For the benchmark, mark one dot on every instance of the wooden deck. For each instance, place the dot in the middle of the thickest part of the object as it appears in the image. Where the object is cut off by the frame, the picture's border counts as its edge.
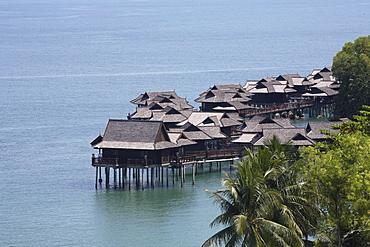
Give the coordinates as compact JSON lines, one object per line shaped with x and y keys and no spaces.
{"x":188,"y":158}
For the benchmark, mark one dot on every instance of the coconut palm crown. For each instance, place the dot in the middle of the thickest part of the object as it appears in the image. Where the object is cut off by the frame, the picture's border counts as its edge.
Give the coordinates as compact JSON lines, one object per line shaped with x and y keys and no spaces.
{"x":263,"y":204}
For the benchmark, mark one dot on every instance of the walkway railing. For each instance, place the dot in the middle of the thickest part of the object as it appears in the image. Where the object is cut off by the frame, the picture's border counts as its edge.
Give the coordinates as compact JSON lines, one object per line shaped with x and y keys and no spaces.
{"x":217,"y":153}
{"x":276,"y":108}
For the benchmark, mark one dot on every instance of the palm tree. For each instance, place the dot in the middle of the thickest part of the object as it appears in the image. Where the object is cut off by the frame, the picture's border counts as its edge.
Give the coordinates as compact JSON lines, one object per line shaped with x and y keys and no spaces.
{"x":263,"y":205}
{"x":297,"y":197}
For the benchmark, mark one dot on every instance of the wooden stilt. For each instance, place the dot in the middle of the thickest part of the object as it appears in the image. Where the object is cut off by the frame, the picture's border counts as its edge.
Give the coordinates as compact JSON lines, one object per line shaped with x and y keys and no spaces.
{"x":167,"y":176}
{"x":193,"y":174}
{"x":115,"y":177}
{"x":129,"y":178}
{"x":180,"y":171}
{"x":137,"y":178}
{"x":100,"y":179}
{"x":152,"y":177}
{"x":162,"y":171}
{"x":123,"y":177}
{"x":184,"y":173}
{"x":119,"y":176}
{"x":173,"y":175}
{"x":96,"y":178}
{"x":147,"y":176}
{"x":142,"y":179}
{"x":107,"y":177}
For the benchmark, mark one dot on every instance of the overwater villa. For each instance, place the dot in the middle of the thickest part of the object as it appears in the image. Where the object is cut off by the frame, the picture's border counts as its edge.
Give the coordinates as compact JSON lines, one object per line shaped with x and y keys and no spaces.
{"x":167,"y":132}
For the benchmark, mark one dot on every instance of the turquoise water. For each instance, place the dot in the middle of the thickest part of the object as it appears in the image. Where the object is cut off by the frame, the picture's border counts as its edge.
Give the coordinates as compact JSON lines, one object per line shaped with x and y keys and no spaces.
{"x":69,"y":66}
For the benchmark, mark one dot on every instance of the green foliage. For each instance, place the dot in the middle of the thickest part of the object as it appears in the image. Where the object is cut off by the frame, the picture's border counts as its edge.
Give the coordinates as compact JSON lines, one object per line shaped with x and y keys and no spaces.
{"x":362,"y":123}
{"x":351,"y":66}
{"x":341,"y":176}
{"x":264,"y":203}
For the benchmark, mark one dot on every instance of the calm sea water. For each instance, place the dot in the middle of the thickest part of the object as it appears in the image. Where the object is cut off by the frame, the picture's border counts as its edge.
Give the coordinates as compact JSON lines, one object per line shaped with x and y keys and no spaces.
{"x":66,"y":67}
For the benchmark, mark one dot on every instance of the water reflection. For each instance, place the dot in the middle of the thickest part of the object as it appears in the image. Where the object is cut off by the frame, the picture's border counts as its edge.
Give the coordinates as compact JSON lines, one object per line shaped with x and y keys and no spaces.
{"x":163,"y":216}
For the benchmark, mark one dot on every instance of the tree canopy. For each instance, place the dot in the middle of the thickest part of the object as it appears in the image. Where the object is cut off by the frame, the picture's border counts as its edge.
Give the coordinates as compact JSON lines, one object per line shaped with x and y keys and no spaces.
{"x":340,"y":173}
{"x":351,"y":66}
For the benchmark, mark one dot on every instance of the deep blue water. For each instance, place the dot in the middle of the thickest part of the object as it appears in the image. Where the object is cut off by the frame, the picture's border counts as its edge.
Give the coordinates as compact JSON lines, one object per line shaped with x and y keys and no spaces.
{"x":66,"y":67}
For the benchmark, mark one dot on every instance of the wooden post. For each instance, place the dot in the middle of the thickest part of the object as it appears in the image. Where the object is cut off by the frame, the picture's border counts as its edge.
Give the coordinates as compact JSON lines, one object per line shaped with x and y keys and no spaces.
{"x":115,"y":177}
{"x":152,"y":176}
{"x":100,"y":179}
{"x":96,"y":178}
{"x":142,"y":179}
{"x":107,"y":177}
{"x":180,"y":170}
{"x":147,"y":176}
{"x":167,"y":176}
{"x":184,"y":173}
{"x":193,"y":173}
{"x":123,"y":177}
{"x":119,"y":176}
{"x":173,"y":175}
{"x":129,"y":178}
{"x":162,"y":168}
{"x":137,"y":178}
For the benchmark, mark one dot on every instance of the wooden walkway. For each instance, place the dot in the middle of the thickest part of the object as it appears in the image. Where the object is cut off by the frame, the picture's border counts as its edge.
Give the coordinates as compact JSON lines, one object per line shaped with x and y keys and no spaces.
{"x":275,"y":108}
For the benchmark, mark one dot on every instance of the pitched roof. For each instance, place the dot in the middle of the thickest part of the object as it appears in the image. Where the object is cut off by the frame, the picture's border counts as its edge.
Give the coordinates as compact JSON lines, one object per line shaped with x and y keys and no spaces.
{"x":295,"y":136}
{"x":179,"y":138}
{"x":142,"y":113}
{"x":288,"y":78}
{"x":320,"y":92}
{"x":210,"y":119}
{"x":171,"y":115}
{"x":258,"y":123}
{"x":246,"y":138}
{"x":219,"y":96}
{"x":213,"y":131}
{"x":162,"y":98}
{"x":131,"y":134}
{"x":271,"y":85}
{"x":313,"y":129}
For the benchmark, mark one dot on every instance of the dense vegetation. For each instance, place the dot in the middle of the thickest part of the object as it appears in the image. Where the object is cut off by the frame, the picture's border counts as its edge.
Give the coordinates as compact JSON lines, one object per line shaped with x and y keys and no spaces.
{"x":276,"y":198}
{"x":340,"y":173}
{"x":351,"y":66}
